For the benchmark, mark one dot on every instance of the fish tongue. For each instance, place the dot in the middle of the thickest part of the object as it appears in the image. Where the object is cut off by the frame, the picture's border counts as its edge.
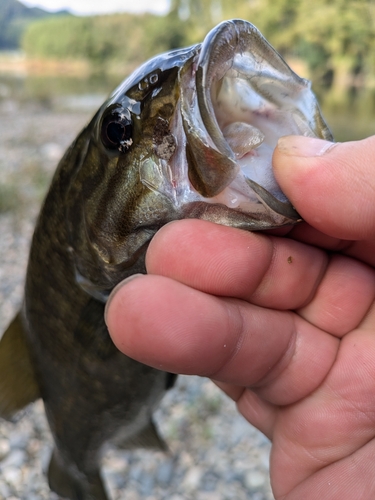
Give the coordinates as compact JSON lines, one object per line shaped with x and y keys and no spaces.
{"x":242,"y":138}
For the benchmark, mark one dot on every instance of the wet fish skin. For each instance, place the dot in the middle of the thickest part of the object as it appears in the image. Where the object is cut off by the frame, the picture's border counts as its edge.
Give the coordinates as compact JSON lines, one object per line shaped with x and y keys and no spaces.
{"x":89,"y":389}
{"x":146,"y":158}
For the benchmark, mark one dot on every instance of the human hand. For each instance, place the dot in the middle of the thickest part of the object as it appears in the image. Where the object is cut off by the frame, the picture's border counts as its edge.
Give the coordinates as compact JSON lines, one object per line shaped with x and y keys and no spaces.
{"x":285,"y":326}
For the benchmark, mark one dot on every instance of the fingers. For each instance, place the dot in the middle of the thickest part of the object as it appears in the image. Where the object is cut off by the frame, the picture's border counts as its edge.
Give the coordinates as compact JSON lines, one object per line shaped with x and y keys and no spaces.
{"x":332,"y":186}
{"x":333,"y":422}
{"x":173,"y":327}
{"x":349,"y":478}
{"x":343,"y":297}
{"x":361,"y":250}
{"x":223,"y":325}
{"x":256,"y":410}
{"x":272,"y":272}
{"x":170,"y":326}
{"x":216,"y":259}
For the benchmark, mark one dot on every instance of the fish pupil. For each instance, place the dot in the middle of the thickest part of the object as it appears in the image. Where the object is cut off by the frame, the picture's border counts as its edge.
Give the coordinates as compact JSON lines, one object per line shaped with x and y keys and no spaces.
{"x":116,"y":132}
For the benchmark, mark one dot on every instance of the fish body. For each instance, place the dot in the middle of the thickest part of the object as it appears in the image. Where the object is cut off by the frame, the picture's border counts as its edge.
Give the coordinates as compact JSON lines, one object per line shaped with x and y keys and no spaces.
{"x":190,"y":134}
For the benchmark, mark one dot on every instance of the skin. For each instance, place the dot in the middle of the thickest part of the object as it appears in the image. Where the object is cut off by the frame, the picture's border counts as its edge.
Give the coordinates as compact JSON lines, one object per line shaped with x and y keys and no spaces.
{"x":284,"y":325}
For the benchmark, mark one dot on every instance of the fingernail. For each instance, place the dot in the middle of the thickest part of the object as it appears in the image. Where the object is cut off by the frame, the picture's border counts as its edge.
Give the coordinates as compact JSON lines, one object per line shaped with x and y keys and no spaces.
{"x":116,"y":289}
{"x":299,"y":145}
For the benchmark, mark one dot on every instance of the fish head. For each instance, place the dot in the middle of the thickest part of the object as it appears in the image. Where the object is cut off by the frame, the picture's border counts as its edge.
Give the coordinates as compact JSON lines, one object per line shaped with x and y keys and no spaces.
{"x":191,"y":133}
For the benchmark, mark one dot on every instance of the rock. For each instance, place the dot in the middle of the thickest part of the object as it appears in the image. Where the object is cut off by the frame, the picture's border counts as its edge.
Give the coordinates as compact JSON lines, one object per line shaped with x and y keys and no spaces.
{"x":254,"y":480}
{"x":165,"y":472}
{"x":15,"y":458}
{"x":193,"y":478}
{"x":4,"y":448}
{"x":12,"y":475}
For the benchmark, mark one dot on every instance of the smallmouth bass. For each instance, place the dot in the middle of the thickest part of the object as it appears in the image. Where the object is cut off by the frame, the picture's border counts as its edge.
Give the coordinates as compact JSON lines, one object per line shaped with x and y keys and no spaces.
{"x":190,"y":134}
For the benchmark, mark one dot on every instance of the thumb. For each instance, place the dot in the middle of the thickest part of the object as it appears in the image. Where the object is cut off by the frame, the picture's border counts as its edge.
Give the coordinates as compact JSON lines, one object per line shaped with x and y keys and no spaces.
{"x":331,"y":185}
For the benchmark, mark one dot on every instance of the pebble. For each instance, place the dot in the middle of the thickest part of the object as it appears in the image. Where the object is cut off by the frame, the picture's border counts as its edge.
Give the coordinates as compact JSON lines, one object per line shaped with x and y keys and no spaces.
{"x":18,"y":440}
{"x":214,"y":453}
{"x":52,"y":151}
{"x":254,"y":480}
{"x":16,"y":458}
{"x":192,"y":478}
{"x":12,"y":475}
{"x":4,"y":448}
{"x":165,"y":472}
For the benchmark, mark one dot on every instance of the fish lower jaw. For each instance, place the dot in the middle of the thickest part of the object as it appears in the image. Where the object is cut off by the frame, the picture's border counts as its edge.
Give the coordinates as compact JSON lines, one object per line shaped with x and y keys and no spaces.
{"x":256,"y":219}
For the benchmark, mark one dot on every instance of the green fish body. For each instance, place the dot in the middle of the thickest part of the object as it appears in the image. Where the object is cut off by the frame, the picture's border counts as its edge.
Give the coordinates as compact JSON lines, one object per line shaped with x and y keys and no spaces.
{"x":189,"y":134}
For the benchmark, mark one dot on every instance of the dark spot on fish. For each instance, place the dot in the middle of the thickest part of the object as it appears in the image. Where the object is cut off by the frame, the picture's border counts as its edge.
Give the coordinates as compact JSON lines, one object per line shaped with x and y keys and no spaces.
{"x":290,"y":259}
{"x":164,"y":141}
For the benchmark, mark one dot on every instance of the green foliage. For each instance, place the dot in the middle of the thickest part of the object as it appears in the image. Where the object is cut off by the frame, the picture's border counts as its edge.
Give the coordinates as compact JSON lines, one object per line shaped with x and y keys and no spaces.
{"x":101,"y":39}
{"x":14,"y":19}
{"x":334,"y":37}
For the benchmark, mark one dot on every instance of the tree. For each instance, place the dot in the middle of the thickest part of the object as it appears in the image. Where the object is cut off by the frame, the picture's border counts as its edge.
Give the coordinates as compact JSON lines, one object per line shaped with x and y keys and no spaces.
{"x":14,"y":19}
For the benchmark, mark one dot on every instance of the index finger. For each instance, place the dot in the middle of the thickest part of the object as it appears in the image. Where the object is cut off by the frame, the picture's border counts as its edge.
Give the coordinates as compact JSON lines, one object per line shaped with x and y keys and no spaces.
{"x":269,"y":271}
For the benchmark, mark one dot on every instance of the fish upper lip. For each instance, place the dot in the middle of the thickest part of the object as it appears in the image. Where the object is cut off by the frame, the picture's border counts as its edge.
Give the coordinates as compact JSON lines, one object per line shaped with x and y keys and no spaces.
{"x":215,"y":59}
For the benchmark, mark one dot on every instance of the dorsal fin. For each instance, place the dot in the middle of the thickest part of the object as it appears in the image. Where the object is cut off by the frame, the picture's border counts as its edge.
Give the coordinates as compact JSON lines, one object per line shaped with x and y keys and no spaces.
{"x":18,"y":385}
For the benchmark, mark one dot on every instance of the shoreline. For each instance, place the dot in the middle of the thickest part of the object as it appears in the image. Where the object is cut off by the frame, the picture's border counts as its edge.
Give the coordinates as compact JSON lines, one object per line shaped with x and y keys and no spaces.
{"x":16,"y":63}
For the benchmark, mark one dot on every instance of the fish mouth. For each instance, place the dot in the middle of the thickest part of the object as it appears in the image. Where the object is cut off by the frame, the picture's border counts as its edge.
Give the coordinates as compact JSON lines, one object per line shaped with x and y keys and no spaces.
{"x":237,"y":98}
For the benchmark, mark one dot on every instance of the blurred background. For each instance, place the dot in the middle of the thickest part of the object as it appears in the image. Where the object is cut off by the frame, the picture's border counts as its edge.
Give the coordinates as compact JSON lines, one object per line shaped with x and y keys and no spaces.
{"x":59,"y":59}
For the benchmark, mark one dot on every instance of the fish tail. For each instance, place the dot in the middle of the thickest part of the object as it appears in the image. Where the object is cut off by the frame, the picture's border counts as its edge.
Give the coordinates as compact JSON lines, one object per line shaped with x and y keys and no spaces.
{"x":74,"y":486}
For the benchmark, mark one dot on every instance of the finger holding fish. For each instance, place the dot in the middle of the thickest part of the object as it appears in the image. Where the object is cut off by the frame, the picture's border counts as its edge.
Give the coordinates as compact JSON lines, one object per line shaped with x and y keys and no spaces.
{"x":339,"y":179}
{"x":227,"y":262}
{"x":329,"y":296}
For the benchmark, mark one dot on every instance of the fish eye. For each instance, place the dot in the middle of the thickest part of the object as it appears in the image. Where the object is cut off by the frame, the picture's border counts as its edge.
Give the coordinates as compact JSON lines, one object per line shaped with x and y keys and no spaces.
{"x":117,"y":131}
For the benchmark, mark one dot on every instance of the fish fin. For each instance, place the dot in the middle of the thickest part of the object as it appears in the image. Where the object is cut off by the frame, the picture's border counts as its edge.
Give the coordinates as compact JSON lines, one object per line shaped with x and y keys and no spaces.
{"x":63,"y":481}
{"x":148,"y":438}
{"x":18,"y":384}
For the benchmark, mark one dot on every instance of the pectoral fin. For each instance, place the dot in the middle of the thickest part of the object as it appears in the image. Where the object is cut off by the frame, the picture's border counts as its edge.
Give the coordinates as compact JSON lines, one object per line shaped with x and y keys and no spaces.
{"x":18,"y":385}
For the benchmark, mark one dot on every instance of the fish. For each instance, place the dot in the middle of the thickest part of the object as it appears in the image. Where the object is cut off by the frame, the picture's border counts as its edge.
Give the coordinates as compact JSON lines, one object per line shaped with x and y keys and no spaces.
{"x":189,"y":134}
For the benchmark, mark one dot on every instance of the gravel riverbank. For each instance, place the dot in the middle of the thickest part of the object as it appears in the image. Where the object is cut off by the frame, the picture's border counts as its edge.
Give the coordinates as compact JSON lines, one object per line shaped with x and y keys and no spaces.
{"x":214,"y":453}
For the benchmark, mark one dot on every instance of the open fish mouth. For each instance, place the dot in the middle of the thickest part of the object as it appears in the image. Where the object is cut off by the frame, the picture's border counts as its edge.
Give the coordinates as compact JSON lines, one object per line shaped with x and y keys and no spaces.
{"x":238,"y":96}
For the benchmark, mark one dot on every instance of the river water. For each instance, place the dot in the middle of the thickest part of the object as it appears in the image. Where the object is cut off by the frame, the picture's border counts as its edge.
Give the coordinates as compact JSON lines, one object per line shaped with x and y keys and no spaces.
{"x":348,"y":121}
